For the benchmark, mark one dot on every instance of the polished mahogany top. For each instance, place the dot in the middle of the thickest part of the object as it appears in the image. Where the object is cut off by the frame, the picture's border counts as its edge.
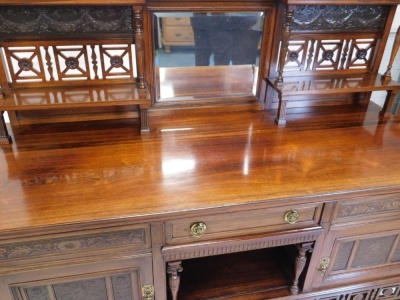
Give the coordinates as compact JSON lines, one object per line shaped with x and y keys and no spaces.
{"x":193,"y":159}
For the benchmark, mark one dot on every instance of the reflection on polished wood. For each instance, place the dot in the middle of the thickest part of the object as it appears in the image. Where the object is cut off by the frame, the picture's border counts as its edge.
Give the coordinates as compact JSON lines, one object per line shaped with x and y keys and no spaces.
{"x":79,"y":172}
{"x":190,"y":83}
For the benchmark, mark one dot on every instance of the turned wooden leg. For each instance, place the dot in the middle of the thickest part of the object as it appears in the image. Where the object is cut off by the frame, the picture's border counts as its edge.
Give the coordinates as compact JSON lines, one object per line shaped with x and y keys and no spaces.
{"x":387,"y":106}
{"x":4,"y":136}
{"x":285,"y":43}
{"x":139,"y":46}
{"x":396,"y":45}
{"x":173,"y":270}
{"x":299,"y":265}
{"x":281,"y":117}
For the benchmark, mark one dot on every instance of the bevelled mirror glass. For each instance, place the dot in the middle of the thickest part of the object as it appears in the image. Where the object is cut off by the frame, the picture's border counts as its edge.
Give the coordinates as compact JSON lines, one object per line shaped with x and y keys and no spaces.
{"x":200,"y":55}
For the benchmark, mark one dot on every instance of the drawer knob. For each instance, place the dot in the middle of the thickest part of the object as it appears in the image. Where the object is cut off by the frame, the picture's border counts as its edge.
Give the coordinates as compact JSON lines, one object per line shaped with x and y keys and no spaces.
{"x":198,"y":229}
{"x":291,"y":216}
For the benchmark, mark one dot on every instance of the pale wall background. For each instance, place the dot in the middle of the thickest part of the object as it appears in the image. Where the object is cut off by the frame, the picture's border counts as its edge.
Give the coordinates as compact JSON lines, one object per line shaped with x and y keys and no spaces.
{"x":379,"y":97}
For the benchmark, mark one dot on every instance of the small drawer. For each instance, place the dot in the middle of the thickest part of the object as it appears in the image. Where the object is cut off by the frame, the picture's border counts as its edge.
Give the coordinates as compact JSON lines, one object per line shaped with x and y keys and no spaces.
{"x":178,"y":34}
{"x":239,"y":223}
{"x":176,"y":21}
{"x":369,"y":208}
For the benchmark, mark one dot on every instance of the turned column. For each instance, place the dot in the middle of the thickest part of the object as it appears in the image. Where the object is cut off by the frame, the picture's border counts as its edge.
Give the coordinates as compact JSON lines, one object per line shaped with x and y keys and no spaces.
{"x":300,"y":263}
{"x":396,"y":45}
{"x":285,"y":43}
{"x":139,"y":46}
{"x":173,"y":270}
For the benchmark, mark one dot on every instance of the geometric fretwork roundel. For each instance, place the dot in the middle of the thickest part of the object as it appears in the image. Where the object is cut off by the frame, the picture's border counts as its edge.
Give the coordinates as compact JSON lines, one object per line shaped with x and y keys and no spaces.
{"x":25,"y":64}
{"x":116,"y":61}
{"x":328,"y":55}
{"x":387,"y":292}
{"x":359,"y":297}
{"x":72,"y":63}
{"x":361,"y":54}
{"x":293,"y":56}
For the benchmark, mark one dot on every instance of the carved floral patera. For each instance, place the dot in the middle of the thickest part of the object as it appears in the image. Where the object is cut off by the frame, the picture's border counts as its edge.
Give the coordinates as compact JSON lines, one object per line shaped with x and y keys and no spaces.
{"x":45,"y":20}
{"x":364,"y":208}
{"x":28,"y":249}
{"x":339,"y":17}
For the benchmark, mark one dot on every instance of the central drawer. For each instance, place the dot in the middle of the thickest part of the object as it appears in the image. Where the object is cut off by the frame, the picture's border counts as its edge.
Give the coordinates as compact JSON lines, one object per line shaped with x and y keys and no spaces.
{"x":239,"y":223}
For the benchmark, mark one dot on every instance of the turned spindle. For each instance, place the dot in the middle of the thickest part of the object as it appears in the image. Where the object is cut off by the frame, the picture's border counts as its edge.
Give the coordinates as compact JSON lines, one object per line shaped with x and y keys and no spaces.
{"x":396,"y":45}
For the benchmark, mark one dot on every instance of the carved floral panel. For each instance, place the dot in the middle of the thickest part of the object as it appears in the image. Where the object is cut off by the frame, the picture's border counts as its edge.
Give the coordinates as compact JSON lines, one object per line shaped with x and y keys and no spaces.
{"x":56,"y":20}
{"x":135,"y":238}
{"x":339,"y":17}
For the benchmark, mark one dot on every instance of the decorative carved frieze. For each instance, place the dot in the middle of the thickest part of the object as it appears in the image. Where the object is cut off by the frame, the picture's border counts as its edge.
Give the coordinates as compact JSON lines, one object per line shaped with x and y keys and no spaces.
{"x":55,"y":20}
{"x":372,"y":293}
{"x":339,"y":17}
{"x":135,"y":238}
{"x":368,"y":207}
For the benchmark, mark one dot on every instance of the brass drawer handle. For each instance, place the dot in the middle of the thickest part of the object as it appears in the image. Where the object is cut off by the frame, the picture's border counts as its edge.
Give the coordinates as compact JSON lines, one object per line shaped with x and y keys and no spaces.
{"x":291,"y":216}
{"x":198,"y":229}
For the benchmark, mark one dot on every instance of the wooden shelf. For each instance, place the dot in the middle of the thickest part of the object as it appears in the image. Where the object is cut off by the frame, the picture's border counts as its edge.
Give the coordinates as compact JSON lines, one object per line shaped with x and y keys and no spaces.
{"x":259,"y":274}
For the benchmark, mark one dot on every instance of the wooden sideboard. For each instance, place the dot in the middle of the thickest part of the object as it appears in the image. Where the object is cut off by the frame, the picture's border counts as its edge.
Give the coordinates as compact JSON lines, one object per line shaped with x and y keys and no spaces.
{"x":216,"y":201}
{"x":217,"y":207}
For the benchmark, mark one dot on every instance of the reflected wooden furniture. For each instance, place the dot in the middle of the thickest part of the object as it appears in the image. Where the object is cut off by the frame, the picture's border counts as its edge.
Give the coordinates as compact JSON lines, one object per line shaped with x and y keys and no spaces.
{"x":205,"y":82}
{"x":338,"y":52}
{"x":176,"y":31}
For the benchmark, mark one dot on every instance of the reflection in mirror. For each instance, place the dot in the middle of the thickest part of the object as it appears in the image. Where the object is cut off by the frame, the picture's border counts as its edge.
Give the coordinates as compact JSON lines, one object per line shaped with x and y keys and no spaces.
{"x":207,"y":55}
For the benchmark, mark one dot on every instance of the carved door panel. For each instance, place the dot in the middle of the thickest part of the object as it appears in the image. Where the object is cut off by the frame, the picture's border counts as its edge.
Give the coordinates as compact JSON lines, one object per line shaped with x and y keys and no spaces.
{"x":353,"y":254}
{"x":122,"y":279}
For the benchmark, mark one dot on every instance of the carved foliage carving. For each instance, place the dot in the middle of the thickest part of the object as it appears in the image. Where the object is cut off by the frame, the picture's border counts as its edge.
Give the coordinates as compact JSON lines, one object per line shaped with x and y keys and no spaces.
{"x":135,"y":238}
{"x":339,"y":17}
{"x":45,"y":20}
{"x":368,"y":207}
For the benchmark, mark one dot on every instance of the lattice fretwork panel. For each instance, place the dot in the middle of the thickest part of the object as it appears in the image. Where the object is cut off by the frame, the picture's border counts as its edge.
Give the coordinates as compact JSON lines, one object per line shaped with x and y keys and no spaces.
{"x":361,"y":53}
{"x":114,"y":287}
{"x":315,"y":54}
{"x":54,"y":63}
{"x":366,"y":252}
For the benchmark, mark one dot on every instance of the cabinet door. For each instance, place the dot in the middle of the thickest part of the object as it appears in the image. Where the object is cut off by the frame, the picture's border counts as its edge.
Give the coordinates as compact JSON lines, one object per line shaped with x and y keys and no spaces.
{"x":353,"y":254}
{"x":119,"y":279}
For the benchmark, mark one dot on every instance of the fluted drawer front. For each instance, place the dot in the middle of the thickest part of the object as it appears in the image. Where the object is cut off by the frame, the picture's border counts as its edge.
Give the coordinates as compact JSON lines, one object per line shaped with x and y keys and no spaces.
{"x":236,"y":223}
